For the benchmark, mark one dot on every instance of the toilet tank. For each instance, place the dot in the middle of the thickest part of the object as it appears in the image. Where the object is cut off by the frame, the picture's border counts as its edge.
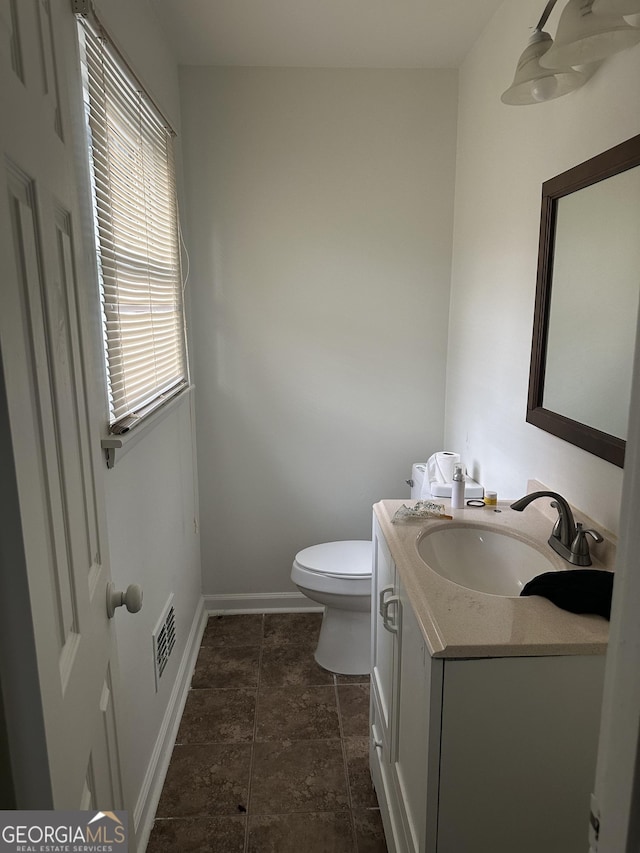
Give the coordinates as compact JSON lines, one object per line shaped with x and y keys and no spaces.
{"x":418,"y":470}
{"x":418,"y":473}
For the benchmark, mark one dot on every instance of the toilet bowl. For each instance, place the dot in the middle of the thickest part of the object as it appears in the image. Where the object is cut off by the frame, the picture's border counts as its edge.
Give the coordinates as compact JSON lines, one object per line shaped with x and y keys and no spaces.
{"x":338,"y":575}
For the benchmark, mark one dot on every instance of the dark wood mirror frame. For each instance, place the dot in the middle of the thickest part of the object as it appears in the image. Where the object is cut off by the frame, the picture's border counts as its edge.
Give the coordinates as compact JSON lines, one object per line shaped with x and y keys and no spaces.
{"x":612,"y":162}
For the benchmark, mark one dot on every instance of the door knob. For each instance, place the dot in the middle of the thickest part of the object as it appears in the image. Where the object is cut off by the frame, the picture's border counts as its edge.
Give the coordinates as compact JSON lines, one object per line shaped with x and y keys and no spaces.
{"x":132,"y":598}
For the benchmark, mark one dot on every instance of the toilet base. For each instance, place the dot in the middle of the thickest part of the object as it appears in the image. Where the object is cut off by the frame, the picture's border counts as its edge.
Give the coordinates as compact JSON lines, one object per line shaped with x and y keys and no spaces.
{"x":344,"y":645}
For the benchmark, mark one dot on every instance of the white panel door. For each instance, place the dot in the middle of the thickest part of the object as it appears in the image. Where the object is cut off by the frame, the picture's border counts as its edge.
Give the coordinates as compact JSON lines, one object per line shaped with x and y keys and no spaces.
{"x":53,"y":394}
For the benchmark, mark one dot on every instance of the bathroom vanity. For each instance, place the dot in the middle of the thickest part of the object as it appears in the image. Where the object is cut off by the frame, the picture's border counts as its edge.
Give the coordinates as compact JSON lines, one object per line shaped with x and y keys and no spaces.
{"x":485,"y":709}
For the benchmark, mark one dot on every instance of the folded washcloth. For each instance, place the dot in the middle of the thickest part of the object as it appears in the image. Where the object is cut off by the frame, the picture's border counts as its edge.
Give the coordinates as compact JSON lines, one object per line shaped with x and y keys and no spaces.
{"x":577,"y":590}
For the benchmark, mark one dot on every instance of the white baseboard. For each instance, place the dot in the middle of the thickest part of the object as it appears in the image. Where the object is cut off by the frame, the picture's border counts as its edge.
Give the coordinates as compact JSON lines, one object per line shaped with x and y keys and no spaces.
{"x":261,"y":602}
{"x":147,"y":803}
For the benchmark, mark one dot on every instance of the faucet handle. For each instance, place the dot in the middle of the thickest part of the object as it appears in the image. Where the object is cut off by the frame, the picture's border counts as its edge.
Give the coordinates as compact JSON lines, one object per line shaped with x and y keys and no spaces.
{"x":580,"y":546}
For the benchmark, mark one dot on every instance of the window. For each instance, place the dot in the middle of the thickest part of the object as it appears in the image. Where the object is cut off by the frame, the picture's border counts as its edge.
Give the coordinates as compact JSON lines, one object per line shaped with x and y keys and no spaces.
{"x":137,"y":237}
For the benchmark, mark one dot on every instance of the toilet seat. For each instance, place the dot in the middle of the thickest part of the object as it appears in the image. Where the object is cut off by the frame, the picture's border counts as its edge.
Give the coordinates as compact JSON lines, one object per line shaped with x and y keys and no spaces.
{"x":340,"y":568}
{"x":348,"y":559}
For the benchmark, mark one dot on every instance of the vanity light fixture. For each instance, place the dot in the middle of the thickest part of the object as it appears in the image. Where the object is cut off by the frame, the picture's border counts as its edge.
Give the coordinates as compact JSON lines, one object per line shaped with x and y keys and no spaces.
{"x":533,"y":83}
{"x":585,"y":36}
{"x":616,"y":7}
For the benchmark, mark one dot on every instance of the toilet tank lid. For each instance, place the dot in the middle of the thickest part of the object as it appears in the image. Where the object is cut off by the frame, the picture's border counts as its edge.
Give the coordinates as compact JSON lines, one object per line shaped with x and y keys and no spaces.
{"x":350,"y":558}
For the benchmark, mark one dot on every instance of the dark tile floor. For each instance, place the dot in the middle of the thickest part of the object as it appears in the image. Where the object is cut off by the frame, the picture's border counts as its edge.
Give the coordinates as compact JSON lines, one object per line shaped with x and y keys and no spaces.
{"x":272,"y":751}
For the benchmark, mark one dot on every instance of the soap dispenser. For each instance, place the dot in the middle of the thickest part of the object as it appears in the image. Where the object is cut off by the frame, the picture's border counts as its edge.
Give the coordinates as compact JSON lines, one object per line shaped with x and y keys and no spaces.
{"x":457,"y":488}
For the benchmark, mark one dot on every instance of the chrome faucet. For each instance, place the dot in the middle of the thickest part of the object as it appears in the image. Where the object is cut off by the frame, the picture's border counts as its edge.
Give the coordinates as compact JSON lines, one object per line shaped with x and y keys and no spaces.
{"x":567,"y":538}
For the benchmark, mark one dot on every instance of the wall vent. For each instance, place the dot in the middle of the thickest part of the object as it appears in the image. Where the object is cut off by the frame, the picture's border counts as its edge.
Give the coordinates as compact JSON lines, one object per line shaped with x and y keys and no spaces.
{"x":164,"y":639}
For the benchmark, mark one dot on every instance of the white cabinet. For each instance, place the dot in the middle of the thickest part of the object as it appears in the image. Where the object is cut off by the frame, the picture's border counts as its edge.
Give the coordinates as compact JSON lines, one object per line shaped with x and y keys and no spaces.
{"x":475,"y":755}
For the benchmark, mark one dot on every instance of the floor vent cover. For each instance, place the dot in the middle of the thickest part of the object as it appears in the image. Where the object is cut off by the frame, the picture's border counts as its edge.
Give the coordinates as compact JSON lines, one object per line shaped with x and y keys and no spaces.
{"x":164,"y":639}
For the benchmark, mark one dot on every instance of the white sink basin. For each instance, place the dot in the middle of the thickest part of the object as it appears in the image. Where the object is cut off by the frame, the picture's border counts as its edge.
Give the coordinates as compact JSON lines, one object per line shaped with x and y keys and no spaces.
{"x":490,"y":561}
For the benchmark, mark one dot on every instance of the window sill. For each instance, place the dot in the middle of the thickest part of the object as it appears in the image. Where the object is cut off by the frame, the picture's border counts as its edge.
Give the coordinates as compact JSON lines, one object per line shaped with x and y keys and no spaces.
{"x":116,"y":446}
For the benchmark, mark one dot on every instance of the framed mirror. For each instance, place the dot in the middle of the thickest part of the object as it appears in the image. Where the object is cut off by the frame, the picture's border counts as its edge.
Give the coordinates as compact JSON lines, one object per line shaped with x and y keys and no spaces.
{"x":586,"y":307}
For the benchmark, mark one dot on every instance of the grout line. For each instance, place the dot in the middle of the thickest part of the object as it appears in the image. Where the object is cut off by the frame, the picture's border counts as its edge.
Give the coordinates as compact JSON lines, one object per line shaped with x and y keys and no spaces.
{"x":191,"y":817}
{"x":253,"y":742}
{"x":266,"y":814}
{"x":340,"y":727}
{"x":221,"y":689}
{"x":343,"y":746}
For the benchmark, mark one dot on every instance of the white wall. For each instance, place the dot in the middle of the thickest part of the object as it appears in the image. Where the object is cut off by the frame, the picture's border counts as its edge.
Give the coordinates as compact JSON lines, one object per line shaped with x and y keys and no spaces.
{"x":504,"y":155}
{"x":319,"y":220}
{"x":152,"y":491}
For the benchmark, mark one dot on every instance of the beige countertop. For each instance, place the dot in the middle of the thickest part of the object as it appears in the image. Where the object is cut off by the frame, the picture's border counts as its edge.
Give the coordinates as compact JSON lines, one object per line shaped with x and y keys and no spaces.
{"x":460,"y":623}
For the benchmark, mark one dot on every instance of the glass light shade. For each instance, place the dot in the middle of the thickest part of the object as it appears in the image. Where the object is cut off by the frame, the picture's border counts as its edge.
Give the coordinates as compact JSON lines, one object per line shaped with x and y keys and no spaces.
{"x":532,"y":83}
{"x":585,"y":37}
{"x":616,"y":7}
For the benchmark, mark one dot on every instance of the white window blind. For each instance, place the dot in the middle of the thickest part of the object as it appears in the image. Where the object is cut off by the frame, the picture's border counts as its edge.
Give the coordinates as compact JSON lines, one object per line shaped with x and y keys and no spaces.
{"x":137,"y":236}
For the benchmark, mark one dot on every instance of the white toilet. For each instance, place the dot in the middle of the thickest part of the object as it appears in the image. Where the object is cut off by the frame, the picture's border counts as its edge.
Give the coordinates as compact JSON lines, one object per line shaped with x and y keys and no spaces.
{"x":338,"y":575}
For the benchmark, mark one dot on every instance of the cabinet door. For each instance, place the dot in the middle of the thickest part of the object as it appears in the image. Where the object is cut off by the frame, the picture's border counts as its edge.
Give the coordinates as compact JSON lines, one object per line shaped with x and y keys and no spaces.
{"x":384,"y":613}
{"x":416,"y":732}
{"x":385,"y":789}
{"x":519,"y":741}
